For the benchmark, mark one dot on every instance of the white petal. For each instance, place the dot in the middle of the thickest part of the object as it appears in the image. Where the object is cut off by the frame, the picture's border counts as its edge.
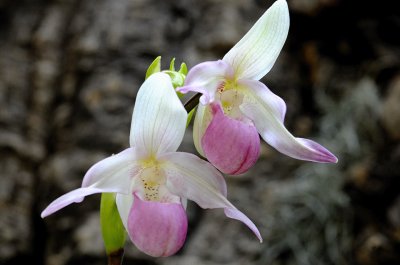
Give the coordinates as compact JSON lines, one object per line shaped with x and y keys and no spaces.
{"x":267,"y":111}
{"x":159,"y":118}
{"x":74,"y":196}
{"x":197,"y":171}
{"x":255,"y":54}
{"x":206,"y":78}
{"x":191,"y":177}
{"x":260,"y":96}
{"x":124,"y":205}
{"x":112,"y":174}
{"x":112,"y":170}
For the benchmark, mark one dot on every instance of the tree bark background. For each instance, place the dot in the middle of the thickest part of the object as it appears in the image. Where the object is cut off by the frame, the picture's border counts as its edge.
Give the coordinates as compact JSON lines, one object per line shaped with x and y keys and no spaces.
{"x":69,"y":73}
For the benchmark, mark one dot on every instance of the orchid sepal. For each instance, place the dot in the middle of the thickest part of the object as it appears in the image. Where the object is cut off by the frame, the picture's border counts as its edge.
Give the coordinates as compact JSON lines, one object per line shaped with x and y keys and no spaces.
{"x":255,"y":54}
{"x":267,"y":111}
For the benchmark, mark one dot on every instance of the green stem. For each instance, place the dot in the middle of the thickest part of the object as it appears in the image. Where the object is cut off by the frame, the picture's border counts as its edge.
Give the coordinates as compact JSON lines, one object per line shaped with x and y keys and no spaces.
{"x":116,"y":257}
{"x":192,"y":102}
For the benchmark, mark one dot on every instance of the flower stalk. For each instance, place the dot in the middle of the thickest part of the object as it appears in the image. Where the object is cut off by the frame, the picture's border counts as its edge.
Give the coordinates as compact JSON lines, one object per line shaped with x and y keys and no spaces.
{"x":192,"y":102}
{"x":116,"y":257}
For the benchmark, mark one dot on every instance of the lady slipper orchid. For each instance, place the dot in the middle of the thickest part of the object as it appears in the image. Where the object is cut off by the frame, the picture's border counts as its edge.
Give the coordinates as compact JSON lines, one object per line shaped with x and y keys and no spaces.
{"x":235,"y":106}
{"x":151,"y":179}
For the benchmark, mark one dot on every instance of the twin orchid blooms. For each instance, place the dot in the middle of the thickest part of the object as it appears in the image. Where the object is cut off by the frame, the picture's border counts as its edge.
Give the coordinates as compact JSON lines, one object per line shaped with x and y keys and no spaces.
{"x":153,"y":181}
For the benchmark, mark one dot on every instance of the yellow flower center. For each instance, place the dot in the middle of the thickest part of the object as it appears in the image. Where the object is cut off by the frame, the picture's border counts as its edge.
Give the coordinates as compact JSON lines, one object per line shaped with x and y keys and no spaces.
{"x":231,"y":98}
{"x":227,"y":85}
{"x":152,"y":178}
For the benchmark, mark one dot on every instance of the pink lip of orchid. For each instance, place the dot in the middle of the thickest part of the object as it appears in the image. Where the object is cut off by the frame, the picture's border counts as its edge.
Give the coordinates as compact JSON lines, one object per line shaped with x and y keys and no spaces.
{"x":151,"y":179}
{"x":232,"y":85}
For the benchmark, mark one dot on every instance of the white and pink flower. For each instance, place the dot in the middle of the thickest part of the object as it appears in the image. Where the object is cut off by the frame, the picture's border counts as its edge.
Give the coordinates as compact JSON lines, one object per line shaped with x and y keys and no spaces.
{"x":151,"y":179}
{"x":235,"y":106}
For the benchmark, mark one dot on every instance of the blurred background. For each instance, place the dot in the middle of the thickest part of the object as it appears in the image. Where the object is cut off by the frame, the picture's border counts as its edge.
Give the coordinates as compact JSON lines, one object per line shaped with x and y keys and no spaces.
{"x":69,"y":73}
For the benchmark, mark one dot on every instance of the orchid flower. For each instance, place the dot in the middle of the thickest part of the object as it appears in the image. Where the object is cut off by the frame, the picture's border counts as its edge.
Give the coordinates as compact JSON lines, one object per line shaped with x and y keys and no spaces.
{"x":235,"y":107}
{"x":151,"y":179}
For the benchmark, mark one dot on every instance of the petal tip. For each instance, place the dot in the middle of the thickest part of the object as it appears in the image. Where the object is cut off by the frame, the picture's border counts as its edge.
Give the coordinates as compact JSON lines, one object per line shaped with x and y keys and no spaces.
{"x":280,"y":4}
{"x":312,"y":151}
{"x":333,"y":159}
{"x":325,"y":155}
{"x":326,"y":158}
{"x":44,"y":214}
{"x":238,"y":215}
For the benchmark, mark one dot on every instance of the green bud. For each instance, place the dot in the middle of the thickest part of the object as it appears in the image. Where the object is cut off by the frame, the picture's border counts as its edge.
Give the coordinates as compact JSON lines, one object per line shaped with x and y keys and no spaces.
{"x":177,"y":78}
{"x":154,"y":67}
{"x":172,"y":65}
{"x":183,"y":70}
{"x":112,"y":229}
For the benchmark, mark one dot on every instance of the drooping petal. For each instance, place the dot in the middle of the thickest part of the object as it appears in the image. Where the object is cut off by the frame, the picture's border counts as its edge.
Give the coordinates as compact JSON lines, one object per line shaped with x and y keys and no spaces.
{"x":258,"y":93}
{"x":255,"y":54}
{"x":191,"y":177}
{"x":158,"y":229}
{"x":231,"y":145}
{"x":112,"y":174}
{"x":267,"y":113}
{"x":73,"y":196}
{"x":206,"y":78}
{"x":159,"y":118}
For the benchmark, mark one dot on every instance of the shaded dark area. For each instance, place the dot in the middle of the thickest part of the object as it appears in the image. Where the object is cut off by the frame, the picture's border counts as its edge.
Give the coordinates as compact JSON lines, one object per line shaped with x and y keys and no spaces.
{"x":69,"y":73}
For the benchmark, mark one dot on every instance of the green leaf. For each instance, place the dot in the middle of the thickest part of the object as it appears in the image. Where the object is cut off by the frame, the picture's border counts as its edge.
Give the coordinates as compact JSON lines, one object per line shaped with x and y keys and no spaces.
{"x":190,"y":116}
{"x":172,"y":65}
{"x":112,"y":229}
{"x":183,"y":70}
{"x":154,"y":67}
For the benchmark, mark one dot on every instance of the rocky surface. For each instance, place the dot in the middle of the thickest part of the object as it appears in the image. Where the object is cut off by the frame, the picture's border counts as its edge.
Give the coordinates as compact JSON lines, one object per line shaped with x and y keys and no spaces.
{"x":69,"y":73}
